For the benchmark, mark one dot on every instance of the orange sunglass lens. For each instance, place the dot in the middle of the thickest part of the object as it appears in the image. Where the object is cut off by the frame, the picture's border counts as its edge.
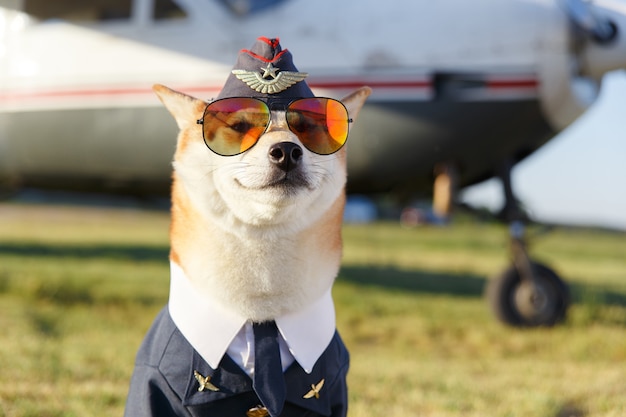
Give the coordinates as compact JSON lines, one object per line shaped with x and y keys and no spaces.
{"x":234,"y":125}
{"x":321,"y":124}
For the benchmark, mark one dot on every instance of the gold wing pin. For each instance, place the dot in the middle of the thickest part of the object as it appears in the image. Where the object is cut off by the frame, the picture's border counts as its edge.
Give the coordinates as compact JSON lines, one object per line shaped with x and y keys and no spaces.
{"x":282,"y":81}
{"x":205,"y":382}
{"x":315,"y":390}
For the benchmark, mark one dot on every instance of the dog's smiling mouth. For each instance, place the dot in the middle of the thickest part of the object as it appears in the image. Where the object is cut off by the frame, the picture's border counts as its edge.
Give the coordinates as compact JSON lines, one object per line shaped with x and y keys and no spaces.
{"x":288,"y":182}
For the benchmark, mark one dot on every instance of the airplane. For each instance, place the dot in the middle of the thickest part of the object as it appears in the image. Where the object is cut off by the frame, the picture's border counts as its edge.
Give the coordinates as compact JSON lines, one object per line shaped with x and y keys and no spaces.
{"x":462,"y":92}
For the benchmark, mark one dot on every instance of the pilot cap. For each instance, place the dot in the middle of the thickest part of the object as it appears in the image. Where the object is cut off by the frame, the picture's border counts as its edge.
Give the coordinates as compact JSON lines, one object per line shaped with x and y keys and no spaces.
{"x":266,"y":71}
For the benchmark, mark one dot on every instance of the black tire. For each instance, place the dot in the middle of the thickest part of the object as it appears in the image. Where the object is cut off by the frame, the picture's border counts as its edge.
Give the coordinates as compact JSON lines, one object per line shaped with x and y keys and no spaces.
{"x":526,"y":303}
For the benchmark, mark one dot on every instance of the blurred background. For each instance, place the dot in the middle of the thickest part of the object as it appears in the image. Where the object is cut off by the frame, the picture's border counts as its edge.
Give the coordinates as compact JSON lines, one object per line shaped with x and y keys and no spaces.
{"x":578,"y":177}
{"x":453,"y":105}
{"x":515,"y":106}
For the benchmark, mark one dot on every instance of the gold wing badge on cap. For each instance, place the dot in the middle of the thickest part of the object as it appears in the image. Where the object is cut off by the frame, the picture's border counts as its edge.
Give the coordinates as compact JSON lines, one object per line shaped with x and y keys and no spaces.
{"x":278,"y":82}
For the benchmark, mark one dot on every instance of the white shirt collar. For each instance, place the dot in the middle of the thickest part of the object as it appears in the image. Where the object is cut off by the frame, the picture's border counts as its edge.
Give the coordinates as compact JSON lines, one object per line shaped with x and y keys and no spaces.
{"x":211,"y":329}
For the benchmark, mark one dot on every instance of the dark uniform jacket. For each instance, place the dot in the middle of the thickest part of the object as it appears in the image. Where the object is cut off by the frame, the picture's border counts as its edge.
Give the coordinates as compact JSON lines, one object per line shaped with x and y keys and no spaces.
{"x":164,"y":384}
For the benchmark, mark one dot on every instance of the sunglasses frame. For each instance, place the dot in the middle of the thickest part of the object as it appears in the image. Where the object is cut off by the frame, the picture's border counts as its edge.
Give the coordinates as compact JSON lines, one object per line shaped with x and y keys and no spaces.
{"x":274,"y":104}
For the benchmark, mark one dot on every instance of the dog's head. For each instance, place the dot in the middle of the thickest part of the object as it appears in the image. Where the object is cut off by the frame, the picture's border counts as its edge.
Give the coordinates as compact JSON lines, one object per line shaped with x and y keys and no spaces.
{"x":275,"y":154}
{"x":277,"y":181}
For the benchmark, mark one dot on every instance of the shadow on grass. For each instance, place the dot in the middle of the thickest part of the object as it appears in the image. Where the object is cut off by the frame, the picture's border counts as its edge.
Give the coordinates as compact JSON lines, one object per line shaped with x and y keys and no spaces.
{"x":596,"y":295}
{"x":462,"y":284}
{"x":119,"y":252}
{"x":76,"y":288}
{"x":466,"y":285}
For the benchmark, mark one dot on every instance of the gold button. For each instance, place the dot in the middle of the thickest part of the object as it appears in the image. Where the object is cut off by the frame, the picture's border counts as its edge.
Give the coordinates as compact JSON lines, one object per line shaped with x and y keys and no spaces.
{"x":258,"y":411}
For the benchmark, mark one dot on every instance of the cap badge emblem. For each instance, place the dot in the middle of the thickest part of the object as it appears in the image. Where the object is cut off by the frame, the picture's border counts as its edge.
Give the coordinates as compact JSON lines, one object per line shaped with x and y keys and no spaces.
{"x":271,"y":80}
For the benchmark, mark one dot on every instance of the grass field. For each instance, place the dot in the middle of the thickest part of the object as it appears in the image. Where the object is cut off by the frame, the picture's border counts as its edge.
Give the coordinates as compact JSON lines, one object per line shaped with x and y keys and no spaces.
{"x":79,"y":286}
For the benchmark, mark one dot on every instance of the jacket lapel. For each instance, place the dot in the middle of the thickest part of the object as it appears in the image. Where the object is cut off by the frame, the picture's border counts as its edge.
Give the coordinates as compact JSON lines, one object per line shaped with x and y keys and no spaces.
{"x":310,"y":391}
{"x":226,"y":381}
{"x":206,"y":385}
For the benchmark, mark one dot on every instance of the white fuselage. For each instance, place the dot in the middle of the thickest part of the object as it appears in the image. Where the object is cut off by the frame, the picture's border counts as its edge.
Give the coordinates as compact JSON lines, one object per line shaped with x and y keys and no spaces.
{"x":76,"y":99}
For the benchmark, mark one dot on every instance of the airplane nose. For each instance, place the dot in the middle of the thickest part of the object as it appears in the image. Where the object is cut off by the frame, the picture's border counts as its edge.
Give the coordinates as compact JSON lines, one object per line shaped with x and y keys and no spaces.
{"x":602,"y":25}
{"x":285,"y":155}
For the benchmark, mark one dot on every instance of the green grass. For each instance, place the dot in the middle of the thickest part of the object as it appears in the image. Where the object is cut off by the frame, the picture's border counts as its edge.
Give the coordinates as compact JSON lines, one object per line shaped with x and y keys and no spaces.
{"x":80,"y":286}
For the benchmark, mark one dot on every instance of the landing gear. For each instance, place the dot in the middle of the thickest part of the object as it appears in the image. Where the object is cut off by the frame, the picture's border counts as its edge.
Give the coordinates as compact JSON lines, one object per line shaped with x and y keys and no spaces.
{"x":527,"y":293}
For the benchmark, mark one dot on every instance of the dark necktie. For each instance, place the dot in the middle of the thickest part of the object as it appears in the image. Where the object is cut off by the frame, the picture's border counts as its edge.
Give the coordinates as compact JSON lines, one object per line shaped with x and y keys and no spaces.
{"x":269,"y":382}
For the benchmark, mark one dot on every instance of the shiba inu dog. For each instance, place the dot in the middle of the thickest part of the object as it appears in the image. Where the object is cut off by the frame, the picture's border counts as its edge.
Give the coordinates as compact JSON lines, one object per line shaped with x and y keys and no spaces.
{"x":257,"y":206}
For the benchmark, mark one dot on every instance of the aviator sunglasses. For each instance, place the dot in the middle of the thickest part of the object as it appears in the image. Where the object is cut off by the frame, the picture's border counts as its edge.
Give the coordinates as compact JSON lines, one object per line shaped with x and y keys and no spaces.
{"x":231,"y":126}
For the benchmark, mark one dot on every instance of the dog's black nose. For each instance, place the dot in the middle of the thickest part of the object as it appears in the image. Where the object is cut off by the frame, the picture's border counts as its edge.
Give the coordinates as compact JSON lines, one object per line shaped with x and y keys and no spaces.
{"x":286,"y":155}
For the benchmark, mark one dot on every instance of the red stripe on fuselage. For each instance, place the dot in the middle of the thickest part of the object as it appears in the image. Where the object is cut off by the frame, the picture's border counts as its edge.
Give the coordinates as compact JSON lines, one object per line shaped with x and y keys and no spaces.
{"x":341,"y":85}
{"x":92,"y":92}
{"x":321,"y":83}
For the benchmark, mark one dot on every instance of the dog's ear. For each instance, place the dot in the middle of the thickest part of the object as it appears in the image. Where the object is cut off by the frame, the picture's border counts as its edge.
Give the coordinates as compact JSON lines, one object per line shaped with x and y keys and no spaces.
{"x":355,"y":101}
{"x":185,"y":109}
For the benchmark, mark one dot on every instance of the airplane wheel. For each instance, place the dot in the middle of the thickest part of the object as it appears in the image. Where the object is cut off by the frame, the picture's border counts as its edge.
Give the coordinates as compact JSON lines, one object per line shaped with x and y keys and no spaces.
{"x":541,"y":301}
